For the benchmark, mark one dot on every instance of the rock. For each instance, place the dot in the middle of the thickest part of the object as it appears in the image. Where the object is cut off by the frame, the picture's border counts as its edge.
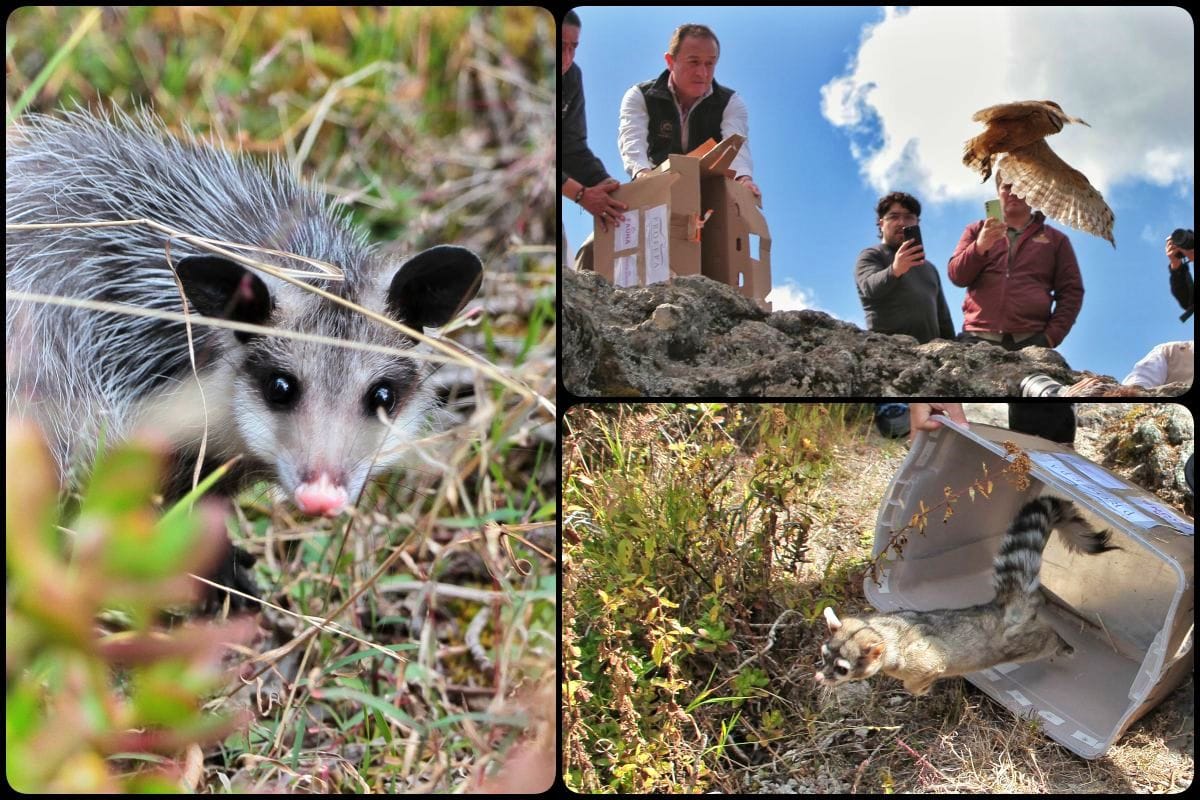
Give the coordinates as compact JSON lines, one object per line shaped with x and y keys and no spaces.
{"x":695,"y":336}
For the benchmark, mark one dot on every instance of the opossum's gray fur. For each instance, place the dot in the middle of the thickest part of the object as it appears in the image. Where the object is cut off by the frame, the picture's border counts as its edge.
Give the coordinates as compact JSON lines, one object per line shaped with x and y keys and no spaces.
{"x":79,"y":372}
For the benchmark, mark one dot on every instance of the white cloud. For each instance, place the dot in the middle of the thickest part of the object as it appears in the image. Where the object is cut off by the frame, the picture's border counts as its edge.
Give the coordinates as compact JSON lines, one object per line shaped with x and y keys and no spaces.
{"x":789,"y":296}
{"x":919,"y":75}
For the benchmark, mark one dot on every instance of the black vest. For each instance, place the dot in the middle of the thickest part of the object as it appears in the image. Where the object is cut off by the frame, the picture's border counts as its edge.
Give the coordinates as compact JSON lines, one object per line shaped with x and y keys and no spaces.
{"x":704,"y":121}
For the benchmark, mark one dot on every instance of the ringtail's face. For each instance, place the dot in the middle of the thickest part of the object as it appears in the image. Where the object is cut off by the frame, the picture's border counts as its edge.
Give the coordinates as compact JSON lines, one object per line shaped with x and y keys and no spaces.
{"x":325,"y":418}
{"x":853,"y":651}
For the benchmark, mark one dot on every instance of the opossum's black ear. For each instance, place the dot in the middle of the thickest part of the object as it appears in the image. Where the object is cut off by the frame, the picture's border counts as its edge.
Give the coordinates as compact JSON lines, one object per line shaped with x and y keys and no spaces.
{"x":434,"y":285}
{"x":220,"y":288}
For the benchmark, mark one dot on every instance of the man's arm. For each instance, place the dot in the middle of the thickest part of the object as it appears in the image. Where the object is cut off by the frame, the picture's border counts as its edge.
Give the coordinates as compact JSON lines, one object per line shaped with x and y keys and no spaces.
{"x":1068,"y":294}
{"x":578,"y":160}
{"x":737,"y":120}
{"x":633,"y":133}
{"x":1183,"y":287}
{"x":967,"y":262}
{"x":873,"y":274}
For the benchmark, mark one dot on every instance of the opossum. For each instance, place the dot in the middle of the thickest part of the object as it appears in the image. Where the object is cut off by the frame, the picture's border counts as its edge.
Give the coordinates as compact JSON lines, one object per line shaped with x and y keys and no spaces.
{"x":305,"y":414}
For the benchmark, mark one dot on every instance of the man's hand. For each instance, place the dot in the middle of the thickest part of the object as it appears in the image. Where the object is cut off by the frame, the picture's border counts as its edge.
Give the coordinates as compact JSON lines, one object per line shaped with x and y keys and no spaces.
{"x":599,"y":203}
{"x":1176,"y":255}
{"x":991,"y":232}
{"x":908,"y":256}
{"x":748,"y":182}
{"x":921,"y":416}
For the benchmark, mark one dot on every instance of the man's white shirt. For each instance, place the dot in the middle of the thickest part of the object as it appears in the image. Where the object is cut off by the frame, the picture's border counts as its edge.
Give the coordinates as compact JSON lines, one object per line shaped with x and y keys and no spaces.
{"x":633,"y":134}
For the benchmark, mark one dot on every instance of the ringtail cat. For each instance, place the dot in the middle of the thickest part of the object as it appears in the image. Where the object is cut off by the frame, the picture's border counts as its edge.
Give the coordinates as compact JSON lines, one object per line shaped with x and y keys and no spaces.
{"x":918,"y":647}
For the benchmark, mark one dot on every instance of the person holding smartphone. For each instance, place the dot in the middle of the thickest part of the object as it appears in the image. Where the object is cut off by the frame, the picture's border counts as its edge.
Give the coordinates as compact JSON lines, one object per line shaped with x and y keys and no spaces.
{"x":1022,"y":279}
{"x":900,"y":290}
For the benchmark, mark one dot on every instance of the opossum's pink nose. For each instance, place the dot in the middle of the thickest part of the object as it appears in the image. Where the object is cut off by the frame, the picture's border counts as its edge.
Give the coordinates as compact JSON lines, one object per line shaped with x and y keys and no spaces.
{"x":321,"y":497}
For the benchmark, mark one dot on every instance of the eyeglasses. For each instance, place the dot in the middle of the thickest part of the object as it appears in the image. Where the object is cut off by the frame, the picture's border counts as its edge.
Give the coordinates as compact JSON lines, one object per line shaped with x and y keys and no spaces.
{"x":900,"y":217}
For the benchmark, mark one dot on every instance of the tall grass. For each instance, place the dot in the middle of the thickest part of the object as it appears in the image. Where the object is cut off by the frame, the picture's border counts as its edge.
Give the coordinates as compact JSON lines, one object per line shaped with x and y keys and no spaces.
{"x":678,"y":520}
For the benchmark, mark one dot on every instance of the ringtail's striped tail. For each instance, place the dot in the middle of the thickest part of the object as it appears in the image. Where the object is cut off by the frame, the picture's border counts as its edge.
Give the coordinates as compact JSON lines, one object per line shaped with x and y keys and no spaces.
{"x":1018,"y":565}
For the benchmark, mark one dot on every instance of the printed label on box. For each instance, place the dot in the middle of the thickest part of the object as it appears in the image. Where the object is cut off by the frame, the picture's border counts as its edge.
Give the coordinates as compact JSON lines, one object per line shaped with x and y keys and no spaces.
{"x":657,"y":244}
{"x":625,"y":236}
{"x":1055,"y":463}
{"x":1100,"y":476}
{"x":625,"y":270}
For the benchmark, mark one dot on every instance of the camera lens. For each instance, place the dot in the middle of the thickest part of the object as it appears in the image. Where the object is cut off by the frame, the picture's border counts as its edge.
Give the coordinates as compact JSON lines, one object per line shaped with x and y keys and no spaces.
{"x":1040,"y":386}
{"x":1184,"y":239}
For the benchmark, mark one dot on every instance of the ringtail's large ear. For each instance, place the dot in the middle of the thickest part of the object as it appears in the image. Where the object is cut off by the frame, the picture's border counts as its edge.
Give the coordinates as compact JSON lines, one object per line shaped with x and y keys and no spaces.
{"x":831,"y":620}
{"x":432,"y":286}
{"x":221,"y":288}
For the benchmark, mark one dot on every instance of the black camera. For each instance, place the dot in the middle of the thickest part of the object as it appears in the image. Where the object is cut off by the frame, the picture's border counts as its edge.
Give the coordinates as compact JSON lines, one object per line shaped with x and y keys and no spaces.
{"x":1184,"y":239}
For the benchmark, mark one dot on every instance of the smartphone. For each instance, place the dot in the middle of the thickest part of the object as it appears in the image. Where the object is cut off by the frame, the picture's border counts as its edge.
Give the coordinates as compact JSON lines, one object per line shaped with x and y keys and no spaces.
{"x":992,"y":210}
{"x":913,"y":232}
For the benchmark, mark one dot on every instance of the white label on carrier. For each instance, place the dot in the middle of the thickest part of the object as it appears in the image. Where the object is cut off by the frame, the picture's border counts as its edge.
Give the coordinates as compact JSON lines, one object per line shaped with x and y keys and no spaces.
{"x":1052,"y":718}
{"x":1096,"y":473}
{"x":1059,"y":466}
{"x":657,"y":244}
{"x":626,"y":232}
{"x":1017,"y":696}
{"x":1167,"y":514}
{"x":625,"y":270}
{"x":1083,"y":737}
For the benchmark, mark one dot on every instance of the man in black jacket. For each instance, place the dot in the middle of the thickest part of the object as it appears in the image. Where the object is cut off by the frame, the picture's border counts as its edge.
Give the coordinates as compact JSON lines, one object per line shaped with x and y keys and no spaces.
{"x":899,"y":289}
{"x":682,"y":108}
{"x":583,"y":178}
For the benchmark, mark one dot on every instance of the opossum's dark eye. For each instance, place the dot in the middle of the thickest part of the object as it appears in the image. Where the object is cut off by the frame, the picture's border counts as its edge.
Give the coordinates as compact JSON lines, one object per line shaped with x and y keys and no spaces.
{"x":840,"y":670}
{"x":379,"y":396}
{"x":281,"y":390}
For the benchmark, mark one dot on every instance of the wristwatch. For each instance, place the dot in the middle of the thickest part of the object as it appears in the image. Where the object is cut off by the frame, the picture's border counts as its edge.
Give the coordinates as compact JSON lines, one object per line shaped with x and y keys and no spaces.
{"x":579,"y":194}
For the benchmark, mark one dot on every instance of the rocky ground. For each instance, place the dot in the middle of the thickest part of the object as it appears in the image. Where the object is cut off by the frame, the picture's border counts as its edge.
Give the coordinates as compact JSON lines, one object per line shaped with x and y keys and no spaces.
{"x":697,"y":337}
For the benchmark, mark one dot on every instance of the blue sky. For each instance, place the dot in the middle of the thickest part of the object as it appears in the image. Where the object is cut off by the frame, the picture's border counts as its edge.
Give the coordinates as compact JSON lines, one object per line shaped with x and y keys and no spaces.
{"x":847,"y":104}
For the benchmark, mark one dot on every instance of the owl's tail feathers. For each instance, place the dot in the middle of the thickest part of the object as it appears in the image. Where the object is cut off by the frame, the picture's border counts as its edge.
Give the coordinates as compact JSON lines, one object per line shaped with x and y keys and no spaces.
{"x":976,"y":157}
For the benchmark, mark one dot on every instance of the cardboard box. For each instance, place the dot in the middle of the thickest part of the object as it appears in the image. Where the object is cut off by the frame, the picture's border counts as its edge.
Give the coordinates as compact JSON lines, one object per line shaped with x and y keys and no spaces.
{"x":689,"y":218}
{"x":1127,"y":612}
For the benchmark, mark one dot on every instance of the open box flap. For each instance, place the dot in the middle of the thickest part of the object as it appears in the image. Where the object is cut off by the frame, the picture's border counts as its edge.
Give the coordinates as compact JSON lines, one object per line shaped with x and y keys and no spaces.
{"x":717,"y":160}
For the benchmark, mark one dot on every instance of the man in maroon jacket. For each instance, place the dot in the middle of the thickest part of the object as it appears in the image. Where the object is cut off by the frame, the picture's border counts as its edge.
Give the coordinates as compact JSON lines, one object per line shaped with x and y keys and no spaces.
{"x":1022,"y":280}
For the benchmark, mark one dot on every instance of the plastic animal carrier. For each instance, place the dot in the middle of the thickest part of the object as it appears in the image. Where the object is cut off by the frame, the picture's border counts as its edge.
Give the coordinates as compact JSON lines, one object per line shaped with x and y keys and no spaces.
{"x":1128,"y":613}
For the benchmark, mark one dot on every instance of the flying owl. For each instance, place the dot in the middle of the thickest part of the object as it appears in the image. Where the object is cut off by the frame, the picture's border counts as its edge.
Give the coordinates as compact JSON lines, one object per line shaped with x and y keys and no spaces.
{"x":1038,"y":176}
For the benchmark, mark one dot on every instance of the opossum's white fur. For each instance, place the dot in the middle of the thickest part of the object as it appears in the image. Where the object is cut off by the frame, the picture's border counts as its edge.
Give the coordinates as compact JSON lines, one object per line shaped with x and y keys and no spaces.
{"x":80,"y":372}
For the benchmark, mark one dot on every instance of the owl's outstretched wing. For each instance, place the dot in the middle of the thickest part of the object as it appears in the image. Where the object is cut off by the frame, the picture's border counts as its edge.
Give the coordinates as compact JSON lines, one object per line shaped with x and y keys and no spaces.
{"x":1046,"y":182}
{"x":1010,"y":126}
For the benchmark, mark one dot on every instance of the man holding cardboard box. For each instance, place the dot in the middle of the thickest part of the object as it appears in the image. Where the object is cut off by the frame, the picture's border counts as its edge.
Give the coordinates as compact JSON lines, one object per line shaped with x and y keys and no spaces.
{"x":683,"y":108}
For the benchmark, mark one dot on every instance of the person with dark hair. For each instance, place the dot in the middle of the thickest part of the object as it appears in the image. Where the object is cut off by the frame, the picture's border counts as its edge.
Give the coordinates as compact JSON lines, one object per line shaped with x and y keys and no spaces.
{"x":900,"y":290}
{"x":583,"y":177}
{"x":1022,"y":278}
{"x":1183,"y":287}
{"x":683,"y":107}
